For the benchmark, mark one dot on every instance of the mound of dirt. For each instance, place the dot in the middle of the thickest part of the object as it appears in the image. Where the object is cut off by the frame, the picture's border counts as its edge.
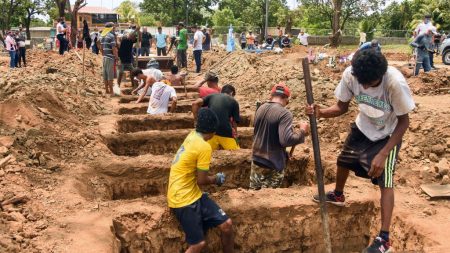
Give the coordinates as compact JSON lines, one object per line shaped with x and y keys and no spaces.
{"x":433,"y":82}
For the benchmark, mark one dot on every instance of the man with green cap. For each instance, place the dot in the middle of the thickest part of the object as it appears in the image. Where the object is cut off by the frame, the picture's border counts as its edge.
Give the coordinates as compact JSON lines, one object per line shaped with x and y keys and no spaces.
{"x":195,"y":211}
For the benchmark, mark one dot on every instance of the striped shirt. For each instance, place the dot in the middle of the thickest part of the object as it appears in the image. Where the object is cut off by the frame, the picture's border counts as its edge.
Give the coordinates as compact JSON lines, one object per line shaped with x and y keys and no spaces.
{"x":108,"y":43}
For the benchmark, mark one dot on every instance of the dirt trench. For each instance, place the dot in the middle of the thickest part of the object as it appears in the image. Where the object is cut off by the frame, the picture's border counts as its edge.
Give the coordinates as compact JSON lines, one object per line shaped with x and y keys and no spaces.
{"x":269,"y":220}
{"x":132,"y":178}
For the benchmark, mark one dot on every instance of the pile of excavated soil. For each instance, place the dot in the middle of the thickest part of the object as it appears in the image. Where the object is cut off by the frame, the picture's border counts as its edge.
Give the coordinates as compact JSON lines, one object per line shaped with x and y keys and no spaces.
{"x":433,"y":82}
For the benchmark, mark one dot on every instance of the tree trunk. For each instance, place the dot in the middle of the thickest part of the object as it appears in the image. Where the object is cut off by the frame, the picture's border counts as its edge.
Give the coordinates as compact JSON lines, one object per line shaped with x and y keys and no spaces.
{"x":336,"y":34}
{"x":73,"y":27}
{"x":288,"y":28}
{"x":27,"y":28}
{"x":61,"y":4}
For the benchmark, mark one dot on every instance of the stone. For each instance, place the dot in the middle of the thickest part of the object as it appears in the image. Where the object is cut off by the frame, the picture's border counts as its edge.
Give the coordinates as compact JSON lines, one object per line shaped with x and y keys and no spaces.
{"x":416,"y":153}
{"x":44,"y":110}
{"x":429,"y":211}
{"x":445,"y":180}
{"x":442,"y":167}
{"x":438,"y":149}
{"x":433,"y":157}
{"x":3,"y":151}
{"x":6,"y":141}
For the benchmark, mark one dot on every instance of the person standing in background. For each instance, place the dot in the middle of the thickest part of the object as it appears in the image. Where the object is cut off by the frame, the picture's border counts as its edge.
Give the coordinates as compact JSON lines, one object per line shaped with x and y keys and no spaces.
{"x":146,"y":42}
{"x":250,"y":41}
{"x":17,"y":39}
{"x":243,"y":41}
{"x":61,"y":29}
{"x":94,"y":39}
{"x":161,"y":43}
{"x":280,"y":36}
{"x":182,"y":46}
{"x":207,"y":41}
{"x":199,"y":38}
{"x":22,"y":49}
{"x":86,"y":35}
{"x":11,"y":48}
{"x":362,"y":38}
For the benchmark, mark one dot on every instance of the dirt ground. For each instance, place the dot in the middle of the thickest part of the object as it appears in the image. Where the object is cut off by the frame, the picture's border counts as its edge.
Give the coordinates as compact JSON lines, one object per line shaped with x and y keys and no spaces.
{"x":89,"y":173}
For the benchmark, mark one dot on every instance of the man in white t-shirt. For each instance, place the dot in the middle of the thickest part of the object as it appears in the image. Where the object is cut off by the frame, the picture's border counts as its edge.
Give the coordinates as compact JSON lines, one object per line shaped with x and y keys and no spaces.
{"x":426,"y":25}
{"x":145,"y":77}
{"x":160,"y":93}
{"x":371,"y":148}
{"x":303,"y":37}
{"x":199,"y":37}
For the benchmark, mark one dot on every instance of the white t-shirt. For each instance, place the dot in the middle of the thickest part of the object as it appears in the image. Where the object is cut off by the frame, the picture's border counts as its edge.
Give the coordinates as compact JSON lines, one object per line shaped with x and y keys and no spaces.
{"x":59,"y":27}
{"x":198,"y":40}
{"x":378,"y":106}
{"x":159,"y":100}
{"x":303,"y":38}
{"x":423,"y":28}
{"x":156,"y":73}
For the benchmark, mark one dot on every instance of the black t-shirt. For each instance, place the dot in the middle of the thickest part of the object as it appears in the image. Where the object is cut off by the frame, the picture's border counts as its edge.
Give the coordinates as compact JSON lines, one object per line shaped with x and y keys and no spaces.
{"x":126,"y":50}
{"x":146,"y":37}
{"x":269,"y":41}
{"x":226,"y":108}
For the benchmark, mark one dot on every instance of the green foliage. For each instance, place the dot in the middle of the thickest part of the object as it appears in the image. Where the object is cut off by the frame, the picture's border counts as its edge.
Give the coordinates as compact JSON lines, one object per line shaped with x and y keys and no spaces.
{"x":147,"y":20}
{"x":225,"y":17}
{"x":128,"y":11}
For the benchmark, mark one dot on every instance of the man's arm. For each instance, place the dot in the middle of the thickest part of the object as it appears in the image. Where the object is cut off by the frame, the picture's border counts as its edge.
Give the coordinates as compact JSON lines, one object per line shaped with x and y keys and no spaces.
{"x":378,"y":162}
{"x":148,"y":83}
{"x":336,"y":110}
{"x":196,"y":106}
{"x":199,"y":83}
{"x":204,"y":179}
{"x":287,"y":137}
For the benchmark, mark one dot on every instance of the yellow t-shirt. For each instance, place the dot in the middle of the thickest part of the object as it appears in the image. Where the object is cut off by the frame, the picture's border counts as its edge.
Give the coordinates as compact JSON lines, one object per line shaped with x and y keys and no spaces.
{"x":194,"y":154}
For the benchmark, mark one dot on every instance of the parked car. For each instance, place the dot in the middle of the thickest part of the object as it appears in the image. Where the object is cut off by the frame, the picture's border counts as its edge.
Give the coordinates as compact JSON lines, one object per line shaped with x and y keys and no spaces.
{"x":445,"y":51}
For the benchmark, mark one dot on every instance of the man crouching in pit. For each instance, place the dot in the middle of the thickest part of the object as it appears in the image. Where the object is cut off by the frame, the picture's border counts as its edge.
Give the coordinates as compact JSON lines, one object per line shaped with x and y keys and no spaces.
{"x":195,"y":211}
{"x":273,"y":133}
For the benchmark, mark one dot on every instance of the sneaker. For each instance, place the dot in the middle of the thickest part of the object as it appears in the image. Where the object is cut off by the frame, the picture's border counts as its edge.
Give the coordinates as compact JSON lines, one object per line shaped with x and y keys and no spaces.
{"x":331,"y":198}
{"x":378,"y":246}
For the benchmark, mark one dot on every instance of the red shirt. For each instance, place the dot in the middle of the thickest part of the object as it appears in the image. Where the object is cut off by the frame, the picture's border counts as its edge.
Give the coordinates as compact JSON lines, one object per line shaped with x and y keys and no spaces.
{"x":205,"y":91}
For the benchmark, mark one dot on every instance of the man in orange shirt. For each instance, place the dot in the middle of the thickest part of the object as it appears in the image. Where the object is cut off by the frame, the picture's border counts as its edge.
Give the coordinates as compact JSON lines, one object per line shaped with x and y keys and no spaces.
{"x":250,"y":41}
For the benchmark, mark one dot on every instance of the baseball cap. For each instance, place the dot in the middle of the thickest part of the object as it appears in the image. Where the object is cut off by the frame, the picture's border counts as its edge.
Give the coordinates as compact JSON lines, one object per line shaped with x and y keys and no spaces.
{"x":281,"y":89}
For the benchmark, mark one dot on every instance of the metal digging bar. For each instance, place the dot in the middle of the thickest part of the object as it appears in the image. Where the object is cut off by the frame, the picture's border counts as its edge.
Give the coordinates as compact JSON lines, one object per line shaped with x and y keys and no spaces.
{"x":317,"y":159}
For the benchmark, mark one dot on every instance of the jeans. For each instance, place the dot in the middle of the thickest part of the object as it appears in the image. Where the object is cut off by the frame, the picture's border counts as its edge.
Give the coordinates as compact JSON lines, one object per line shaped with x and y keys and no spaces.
{"x":63,"y":43}
{"x":22,"y":55}
{"x":431,"y":59}
{"x":160,"y":50}
{"x":94,"y":49}
{"x":145,"y":51}
{"x":16,"y":60}
{"x":251,"y":47}
{"x":422,"y":61}
{"x":181,"y":58}
{"x":198,"y":60}
{"x":12,"y":61}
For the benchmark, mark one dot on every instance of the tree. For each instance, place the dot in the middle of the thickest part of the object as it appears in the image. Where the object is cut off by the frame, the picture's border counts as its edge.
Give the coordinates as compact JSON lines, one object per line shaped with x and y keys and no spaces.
{"x":340,"y":12}
{"x":189,"y":11}
{"x":61,"y":5}
{"x":8,"y":9}
{"x":225,"y":17}
{"x":128,"y":11}
{"x":32,"y":7}
{"x":74,"y":19}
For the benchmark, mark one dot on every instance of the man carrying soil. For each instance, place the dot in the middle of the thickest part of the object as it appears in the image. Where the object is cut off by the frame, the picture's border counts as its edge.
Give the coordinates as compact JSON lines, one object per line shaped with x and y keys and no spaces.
{"x":212,"y":81}
{"x":227,"y":110}
{"x":273,"y":132}
{"x":371,"y":148}
{"x":175,"y":78}
{"x":195,"y":211}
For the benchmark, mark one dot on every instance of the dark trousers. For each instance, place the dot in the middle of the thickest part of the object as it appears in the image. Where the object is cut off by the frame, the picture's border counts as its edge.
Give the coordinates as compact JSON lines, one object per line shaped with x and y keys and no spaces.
{"x":16,"y":59}
{"x":88,"y":41}
{"x":22,"y":55}
{"x":161,"y":50}
{"x":243,"y":46}
{"x":431,"y":59}
{"x":198,"y":60}
{"x":94,"y":48}
{"x":182,"y":58}
{"x":145,"y":51}
{"x":63,"y":43}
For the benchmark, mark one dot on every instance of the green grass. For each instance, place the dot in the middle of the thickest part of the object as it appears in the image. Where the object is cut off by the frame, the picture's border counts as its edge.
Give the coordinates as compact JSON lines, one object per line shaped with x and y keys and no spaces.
{"x":399,"y":48}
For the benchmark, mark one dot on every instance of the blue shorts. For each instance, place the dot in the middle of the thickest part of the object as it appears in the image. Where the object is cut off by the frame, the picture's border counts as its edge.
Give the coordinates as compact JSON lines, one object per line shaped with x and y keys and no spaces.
{"x":198,"y":217}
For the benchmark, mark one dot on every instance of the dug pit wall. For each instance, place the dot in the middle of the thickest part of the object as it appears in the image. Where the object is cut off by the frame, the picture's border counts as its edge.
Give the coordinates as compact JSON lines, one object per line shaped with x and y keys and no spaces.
{"x":137,"y":123}
{"x":141,"y":108}
{"x":265,"y":221}
{"x":160,"y":142}
{"x":129,"y":178}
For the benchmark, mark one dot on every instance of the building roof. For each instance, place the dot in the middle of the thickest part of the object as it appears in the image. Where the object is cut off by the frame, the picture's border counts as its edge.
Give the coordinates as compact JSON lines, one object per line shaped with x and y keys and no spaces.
{"x":96,"y":10}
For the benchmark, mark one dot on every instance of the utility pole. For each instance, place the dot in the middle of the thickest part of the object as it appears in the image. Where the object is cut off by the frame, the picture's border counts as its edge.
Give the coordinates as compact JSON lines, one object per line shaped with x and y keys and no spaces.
{"x":267,"y":19}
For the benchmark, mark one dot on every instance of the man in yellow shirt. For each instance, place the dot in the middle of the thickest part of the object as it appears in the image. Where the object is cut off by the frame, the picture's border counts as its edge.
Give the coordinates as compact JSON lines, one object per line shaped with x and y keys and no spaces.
{"x":195,"y":211}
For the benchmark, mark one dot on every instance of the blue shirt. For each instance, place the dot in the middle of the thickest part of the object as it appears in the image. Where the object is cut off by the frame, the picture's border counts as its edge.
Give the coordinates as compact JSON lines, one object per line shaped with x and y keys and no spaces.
{"x":161,"y":40}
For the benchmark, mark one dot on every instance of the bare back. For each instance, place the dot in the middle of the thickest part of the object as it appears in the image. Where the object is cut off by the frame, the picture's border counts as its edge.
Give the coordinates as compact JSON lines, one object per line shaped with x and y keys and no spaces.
{"x":175,"y":80}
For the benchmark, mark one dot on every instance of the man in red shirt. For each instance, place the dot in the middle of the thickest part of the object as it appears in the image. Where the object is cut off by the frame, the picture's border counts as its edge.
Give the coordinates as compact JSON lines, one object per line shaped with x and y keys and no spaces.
{"x":212,"y":80}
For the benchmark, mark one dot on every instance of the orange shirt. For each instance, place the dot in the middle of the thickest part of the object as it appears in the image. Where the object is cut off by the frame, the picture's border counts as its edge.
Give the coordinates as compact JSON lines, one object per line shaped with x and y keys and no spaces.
{"x":250,"y":40}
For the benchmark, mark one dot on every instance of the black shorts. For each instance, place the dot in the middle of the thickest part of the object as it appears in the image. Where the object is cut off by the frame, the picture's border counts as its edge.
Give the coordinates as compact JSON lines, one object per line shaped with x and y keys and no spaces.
{"x":198,"y":217}
{"x":358,"y":153}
